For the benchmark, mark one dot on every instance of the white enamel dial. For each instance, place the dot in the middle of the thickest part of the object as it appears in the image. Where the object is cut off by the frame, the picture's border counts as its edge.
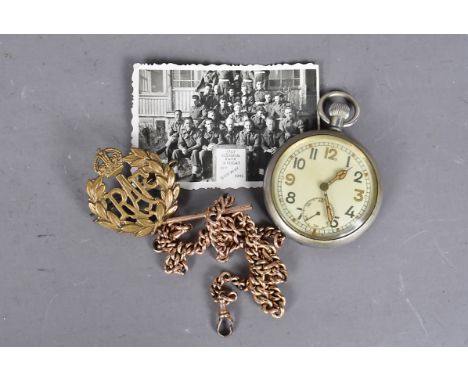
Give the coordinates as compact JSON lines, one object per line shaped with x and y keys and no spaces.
{"x":323,"y":187}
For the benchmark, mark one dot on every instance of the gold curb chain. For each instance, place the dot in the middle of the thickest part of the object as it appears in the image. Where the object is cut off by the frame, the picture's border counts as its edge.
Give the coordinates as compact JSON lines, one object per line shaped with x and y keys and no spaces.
{"x":226,"y":232}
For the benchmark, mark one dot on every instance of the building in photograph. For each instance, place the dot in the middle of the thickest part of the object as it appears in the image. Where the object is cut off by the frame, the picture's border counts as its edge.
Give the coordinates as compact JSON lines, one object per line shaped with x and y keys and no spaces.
{"x":161,"y":92}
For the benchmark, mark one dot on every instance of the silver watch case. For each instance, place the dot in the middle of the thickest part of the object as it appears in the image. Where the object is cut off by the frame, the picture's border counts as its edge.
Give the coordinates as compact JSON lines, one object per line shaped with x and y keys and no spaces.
{"x":361,"y":224}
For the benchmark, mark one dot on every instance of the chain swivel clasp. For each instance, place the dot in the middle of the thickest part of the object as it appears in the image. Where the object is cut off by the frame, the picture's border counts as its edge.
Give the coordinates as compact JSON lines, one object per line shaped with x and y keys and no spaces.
{"x":225,"y":321}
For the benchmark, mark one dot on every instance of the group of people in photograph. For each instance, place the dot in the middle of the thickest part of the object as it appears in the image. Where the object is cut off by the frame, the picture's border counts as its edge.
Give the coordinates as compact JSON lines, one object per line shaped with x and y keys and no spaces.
{"x":251,"y":117}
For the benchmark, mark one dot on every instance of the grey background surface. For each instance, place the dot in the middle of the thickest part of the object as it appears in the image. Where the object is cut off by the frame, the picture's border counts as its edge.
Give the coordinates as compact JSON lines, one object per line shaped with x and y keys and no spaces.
{"x":66,"y":281}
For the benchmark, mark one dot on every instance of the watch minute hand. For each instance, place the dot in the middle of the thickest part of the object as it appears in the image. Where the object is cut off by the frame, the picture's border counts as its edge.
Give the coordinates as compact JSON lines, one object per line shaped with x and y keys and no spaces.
{"x":328,"y":208}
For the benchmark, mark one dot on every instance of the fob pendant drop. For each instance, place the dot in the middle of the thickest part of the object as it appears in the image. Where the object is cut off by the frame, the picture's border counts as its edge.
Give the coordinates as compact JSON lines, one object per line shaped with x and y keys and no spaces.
{"x":322,"y":187}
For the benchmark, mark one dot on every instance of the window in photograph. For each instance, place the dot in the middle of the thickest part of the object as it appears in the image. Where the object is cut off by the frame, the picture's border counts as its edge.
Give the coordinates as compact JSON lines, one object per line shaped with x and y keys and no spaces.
{"x":184,"y":79}
{"x":152,"y":82}
{"x":280,"y":79}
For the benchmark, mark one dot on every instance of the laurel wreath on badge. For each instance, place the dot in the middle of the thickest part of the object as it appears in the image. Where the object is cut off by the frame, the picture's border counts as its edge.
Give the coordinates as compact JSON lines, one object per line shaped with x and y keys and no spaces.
{"x":135,"y":207}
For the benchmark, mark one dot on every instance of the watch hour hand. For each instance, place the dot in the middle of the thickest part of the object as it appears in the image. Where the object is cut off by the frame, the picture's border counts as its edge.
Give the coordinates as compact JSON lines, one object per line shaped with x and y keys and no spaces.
{"x":341,"y":174}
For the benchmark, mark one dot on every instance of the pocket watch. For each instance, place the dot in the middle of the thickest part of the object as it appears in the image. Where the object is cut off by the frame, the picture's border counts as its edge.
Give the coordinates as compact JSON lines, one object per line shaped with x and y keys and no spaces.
{"x":322,"y":187}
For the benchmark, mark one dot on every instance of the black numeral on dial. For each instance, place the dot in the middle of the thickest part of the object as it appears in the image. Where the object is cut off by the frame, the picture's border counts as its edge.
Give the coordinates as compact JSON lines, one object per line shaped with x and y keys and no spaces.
{"x":299,"y":163}
{"x":291,"y":198}
{"x":350,"y":212}
{"x":358,"y":177}
{"x":313,"y":153}
{"x":334,"y":223}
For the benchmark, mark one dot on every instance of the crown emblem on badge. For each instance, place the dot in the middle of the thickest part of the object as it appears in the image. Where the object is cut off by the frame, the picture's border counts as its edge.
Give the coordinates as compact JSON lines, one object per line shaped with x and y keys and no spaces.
{"x":109,"y":162}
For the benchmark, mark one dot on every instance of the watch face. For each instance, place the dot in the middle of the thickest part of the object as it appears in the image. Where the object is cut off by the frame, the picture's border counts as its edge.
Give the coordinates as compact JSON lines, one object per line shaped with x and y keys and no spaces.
{"x":323,"y":187}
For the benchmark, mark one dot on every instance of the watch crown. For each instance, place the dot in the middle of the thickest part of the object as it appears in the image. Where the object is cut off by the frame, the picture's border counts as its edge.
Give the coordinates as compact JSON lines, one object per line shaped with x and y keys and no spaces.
{"x":342,"y":110}
{"x":339,"y":114}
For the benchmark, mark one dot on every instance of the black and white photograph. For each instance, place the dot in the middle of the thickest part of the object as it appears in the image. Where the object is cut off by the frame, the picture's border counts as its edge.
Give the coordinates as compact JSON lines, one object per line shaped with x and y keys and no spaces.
{"x":221,"y":124}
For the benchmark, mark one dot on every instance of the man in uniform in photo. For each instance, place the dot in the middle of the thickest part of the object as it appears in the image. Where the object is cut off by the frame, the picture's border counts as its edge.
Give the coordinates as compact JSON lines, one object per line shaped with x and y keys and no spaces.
{"x":277,"y":109}
{"x":251,"y":141}
{"x":259,"y":95}
{"x":189,"y":146}
{"x":290,"y":125}
{"x":237,"y":81}
{"x":246,"y":106}
{"x":175,"y":128}
{"x":217,"y":94}
{"x":210,"y":138}
{"x":210,"y":77}
{"x":223,"y":110}
{"x":230,"y":135}
{"x":231,"y":97}
{"x":272,"y":139}
{"x":262,"y":76}
{"x":238,"y":117}
{"x":198,"y":110}
{"x":247,"y":80}
{"x":207,"y":97}
{"x":258,"y":119}
{"x":225,"y":79}
{"x":145,"y":132}
{"x":268,"y":104}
